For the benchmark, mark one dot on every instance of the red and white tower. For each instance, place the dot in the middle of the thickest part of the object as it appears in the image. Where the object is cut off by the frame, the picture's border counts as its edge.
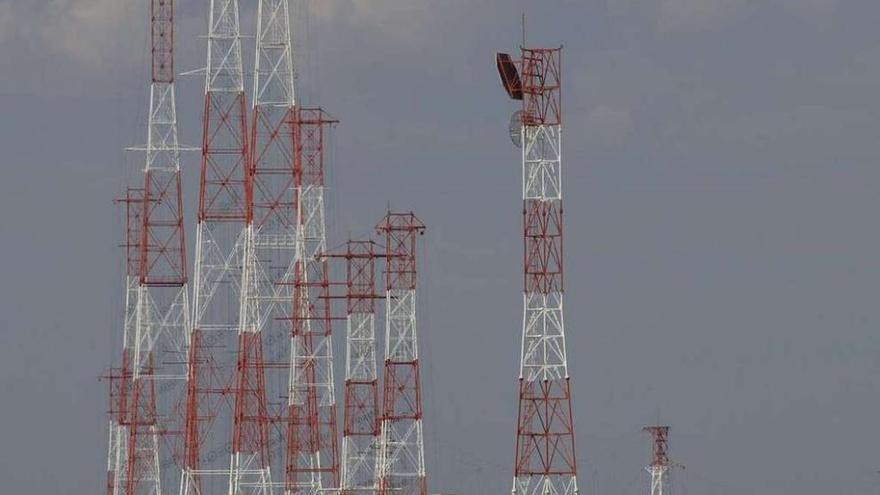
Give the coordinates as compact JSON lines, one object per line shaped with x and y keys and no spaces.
{"x":544,"y":462}
{"x":217,"y":330}
{"x":659,"y":467}
{"x":270,"y":247}
{"x":119,"y":379}
{"x":360,"y":433}
{"x":401,"y":465}
{"x":161,"y":323}
{"x":312,"y":448}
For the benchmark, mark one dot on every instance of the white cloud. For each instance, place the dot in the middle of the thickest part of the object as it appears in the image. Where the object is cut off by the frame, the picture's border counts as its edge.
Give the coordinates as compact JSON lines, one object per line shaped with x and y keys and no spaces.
{"x":680,"y":13}
{"x":87,"y":31}
{"x":700,"y":13}
{"x":366,"y":10}
{"x":8,"y":22}
{"x":395,"y":19}
{"x":94,"y":33}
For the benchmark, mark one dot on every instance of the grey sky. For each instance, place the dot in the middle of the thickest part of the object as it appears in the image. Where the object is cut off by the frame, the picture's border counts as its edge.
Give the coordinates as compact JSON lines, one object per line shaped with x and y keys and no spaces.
{"x":722,"y":236}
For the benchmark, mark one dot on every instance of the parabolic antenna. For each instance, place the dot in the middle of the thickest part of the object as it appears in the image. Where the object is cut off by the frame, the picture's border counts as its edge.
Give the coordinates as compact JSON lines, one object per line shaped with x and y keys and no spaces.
{"x":516,"y":128}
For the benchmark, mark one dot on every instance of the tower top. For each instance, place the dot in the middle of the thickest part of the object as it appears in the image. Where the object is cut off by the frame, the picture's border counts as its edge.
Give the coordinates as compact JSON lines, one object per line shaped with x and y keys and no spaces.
{"x":660,"y":436}
{"x":536,"y":80}
{"x":162,"y":40}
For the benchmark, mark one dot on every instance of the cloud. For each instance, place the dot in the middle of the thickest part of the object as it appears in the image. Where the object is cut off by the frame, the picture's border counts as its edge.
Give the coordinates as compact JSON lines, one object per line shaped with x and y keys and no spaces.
{"x":394,"y":19}
{"x":366,"y":10}
{"x":87,"y":31}
{"x":8,"y":22}
{"x":94,"y":33}
{"x":682,"y":13}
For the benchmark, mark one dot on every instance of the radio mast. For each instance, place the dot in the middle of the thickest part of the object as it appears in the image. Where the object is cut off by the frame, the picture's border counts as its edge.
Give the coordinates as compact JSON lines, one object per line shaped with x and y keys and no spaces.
{"x":224,"y":198}
{"x":544,"y":462}
{"x":402,"y":448}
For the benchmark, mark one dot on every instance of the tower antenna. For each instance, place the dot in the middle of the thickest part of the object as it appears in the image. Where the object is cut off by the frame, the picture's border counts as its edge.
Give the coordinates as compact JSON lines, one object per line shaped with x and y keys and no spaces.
{"x":660,"y":465}
{"x":312,"y":445}
{"x":267,"y":271}
{"x":544,"y":460}
{"x":162,"y":306}
{"x":361,"y":426}
{"x":213,"y":386}
{"x":402,"y":448}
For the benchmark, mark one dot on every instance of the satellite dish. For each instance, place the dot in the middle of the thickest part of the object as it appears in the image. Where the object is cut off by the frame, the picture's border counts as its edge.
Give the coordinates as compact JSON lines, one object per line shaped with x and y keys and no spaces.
{"x":515,"y":128}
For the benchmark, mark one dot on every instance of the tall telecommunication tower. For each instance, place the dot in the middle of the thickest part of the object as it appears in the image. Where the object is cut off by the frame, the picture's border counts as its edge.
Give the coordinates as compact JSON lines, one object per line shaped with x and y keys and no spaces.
{"x":161,"y":324}
{"x":312,"y":448}
{"x":659,"y":467}
{"x":545,"y":462}
{"x":270,"y":247}
{"x":224,"y":199}
{"x":401,"y":449}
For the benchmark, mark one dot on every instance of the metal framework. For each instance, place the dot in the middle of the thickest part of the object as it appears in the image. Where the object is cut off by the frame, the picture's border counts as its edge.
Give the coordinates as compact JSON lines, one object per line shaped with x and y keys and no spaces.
{"x":146,"y":386}
{"x":360,"y":434}
{"x":119,"y":378}
{"x":312,"y":464}
{"x":270,"y":247}
{"x":401,"y":464}
{"x":545,"y":461}
{"x":227,"y":397}
{"x":221,"y":233}
{"x":659,"y":467}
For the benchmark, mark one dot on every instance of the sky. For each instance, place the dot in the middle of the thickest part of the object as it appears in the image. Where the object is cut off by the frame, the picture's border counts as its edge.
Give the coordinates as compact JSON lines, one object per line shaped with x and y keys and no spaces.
{"x":722,"y":238}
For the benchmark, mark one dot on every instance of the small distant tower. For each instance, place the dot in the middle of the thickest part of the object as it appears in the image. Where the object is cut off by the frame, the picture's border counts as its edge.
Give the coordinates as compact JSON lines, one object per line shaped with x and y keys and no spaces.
{"x":659,"y":467}
{"x":402,"y":450}
{"x":545,"y":461}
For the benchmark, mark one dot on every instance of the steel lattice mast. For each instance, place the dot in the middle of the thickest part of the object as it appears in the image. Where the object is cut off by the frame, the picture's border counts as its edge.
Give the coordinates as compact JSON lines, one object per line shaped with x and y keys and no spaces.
{"x":545,"y":461}
{"x":659,"y":467}
{"x":161,"y":325}
{"x":312,"y":448}
{"x":360,"y":434}
{"x":270,"y":245}
{"x":224,"y":196}
{"x":401,"y":465}
{"x":119,"y":379}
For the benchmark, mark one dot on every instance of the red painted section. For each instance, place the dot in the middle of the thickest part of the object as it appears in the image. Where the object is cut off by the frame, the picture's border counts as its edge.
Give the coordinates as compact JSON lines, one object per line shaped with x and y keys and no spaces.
{"x":133,"y":202}
{"x":162,"y":40}
{"x":540,"y":73}
{"x":545,"y":432}
{"x":251,"y":418}
{"x":143,"y":423}
{"x":660,"y":439}
{"x":162,"y":244}
{"x":273,"y":193}
{"x":542,"y":246}
{"x":195,"y":426}
{"x":224,"y":188}
{"x":361,"y":415}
